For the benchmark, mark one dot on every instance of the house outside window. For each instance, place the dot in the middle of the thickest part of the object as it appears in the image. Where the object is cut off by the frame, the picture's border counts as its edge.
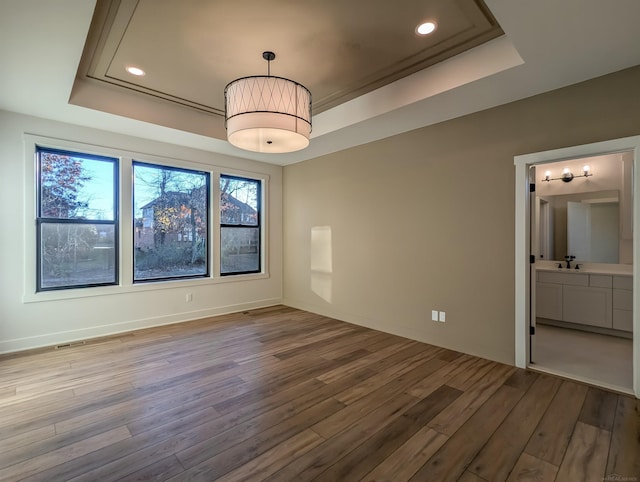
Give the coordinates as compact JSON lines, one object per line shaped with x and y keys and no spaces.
{"x":76,"y":220}
{"x":171,"y":222}
{"x":240,"y":225}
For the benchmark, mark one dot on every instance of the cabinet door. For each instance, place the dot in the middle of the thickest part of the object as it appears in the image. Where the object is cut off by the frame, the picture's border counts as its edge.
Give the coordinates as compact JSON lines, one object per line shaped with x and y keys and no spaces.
{"x":622,"y":320}
{"x":549,"y":301}
{"x":587,"y":305}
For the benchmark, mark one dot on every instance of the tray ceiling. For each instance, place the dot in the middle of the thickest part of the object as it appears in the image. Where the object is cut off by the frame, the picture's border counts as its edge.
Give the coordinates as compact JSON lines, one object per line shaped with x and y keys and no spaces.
{"x":191,"y":49}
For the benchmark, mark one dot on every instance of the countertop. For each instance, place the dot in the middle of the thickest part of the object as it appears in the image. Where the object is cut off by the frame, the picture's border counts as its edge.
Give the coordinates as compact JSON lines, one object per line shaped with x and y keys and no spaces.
{"x":604,"y":271}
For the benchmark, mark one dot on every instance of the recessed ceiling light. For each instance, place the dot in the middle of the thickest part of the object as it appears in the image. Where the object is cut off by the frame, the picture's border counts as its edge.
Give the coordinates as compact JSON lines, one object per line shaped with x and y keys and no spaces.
{"x":425,"y":28}
{"x":135,"y":71}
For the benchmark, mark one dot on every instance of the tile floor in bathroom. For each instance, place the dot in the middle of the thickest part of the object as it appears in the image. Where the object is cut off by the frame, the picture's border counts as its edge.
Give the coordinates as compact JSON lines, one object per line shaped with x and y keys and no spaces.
{"x":590,"y":357}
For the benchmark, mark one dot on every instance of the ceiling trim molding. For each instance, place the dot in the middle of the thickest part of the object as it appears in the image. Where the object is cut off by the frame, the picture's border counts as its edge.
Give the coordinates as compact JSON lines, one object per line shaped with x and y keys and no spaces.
{"x":112,"y":22}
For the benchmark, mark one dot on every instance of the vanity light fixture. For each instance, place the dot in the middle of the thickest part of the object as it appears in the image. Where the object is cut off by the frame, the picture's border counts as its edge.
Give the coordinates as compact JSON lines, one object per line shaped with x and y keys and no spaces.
{"x":567,"y":175}
{"x":268,"y":114}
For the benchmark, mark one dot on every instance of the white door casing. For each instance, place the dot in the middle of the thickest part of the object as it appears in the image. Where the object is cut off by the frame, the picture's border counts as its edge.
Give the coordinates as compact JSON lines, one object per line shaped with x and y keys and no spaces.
{"x":534,"y":228}
{"x":523,"y":239}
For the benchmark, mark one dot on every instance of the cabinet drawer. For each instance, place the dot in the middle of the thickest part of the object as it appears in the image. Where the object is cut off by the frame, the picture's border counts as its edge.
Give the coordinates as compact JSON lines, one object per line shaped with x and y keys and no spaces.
{"x":576,"y":279}
{"x":623,"y":282}
{"x":587,"y":306}
{"x":622,"y":320}
{"x":623,"y":300}
{"x":600,"y":281}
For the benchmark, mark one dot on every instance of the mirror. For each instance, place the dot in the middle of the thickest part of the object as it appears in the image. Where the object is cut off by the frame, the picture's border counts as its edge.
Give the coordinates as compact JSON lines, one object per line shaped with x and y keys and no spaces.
{"x":585,"y":225}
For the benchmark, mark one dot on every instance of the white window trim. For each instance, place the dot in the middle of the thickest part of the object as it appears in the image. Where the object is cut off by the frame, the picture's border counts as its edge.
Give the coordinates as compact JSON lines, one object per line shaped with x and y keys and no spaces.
{"x":125,"y":192}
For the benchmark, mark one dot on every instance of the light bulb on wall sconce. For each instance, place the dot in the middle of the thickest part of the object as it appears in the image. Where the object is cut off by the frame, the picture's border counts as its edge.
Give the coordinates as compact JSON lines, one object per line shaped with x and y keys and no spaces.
{"x":567,"y":175}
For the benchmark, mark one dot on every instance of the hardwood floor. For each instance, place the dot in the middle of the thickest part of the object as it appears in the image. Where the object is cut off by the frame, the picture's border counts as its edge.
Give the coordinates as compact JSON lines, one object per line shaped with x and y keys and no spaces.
{"x":280,"y":394}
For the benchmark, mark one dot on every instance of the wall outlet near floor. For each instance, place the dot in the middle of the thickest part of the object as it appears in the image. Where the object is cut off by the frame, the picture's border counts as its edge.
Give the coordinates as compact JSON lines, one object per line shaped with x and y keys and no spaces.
{"x":441,"y":317}
{"x":434,"y":315}
{"x":189,"y":297}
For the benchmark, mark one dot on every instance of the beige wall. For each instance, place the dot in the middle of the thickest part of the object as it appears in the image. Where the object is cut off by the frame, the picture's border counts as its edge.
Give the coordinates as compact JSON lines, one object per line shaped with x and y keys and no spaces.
{"x":425,"y":220}
{"x":25,"y":323}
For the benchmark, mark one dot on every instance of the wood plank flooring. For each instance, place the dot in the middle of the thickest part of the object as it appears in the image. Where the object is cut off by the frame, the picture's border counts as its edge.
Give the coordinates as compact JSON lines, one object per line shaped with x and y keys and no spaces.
{"x":280,"y":394}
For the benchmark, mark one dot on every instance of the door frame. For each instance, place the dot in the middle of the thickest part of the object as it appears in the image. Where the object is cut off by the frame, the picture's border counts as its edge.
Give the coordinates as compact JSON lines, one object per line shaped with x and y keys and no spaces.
{"x":523,"y":238}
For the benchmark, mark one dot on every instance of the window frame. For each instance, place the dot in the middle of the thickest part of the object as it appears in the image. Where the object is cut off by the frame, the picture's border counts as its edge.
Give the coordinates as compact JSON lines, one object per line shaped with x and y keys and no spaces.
{"x":43,"y":220}
{"x":126,"y":153}
{"x":258,"y":225}
{"x":208,"y":239}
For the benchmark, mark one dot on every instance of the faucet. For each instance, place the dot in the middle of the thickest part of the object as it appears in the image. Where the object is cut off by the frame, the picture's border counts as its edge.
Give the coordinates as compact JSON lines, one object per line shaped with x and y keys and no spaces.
{"x":569,"y":259}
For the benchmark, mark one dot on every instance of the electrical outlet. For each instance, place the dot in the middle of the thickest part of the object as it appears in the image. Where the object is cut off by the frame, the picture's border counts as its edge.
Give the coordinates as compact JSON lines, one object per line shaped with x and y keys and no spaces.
{"x":434,"y":315}
{"x":441,"y":317}
{"x":189,"y":297}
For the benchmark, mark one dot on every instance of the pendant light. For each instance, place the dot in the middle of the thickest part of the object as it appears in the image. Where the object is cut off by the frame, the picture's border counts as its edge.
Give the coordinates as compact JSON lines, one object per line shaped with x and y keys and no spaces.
{"x":266,"y":113}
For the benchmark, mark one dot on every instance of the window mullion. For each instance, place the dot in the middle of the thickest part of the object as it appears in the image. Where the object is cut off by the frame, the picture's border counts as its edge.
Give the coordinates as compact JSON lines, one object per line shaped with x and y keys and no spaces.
{"x":126,"y":221}
{"x":215,"y":251}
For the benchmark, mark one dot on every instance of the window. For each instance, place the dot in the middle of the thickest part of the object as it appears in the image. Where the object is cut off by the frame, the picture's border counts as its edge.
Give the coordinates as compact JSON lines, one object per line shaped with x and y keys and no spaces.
{"x":171,"y":227}
{"x":240,"y":250}
{"x":106,"y":220}
{"x":76,"y":220}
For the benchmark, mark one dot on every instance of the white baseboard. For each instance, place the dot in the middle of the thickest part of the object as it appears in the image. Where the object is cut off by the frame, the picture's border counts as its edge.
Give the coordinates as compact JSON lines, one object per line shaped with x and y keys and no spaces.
{"x":72,"y":336}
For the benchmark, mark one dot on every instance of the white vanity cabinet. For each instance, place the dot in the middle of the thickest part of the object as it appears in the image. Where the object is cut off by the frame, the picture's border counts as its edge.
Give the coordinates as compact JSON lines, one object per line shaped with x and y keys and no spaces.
{"x":549,"y":300}
{"x":587,"y":305}
{"x":599,"y":300}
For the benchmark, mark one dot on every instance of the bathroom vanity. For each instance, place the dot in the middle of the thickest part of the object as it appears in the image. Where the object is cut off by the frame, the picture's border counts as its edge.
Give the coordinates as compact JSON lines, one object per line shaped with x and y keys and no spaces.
{"x":585,"y":299}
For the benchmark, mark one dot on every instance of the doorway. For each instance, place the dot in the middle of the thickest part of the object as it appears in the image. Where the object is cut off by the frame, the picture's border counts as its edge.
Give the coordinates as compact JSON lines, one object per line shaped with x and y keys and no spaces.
{"x":581,"y":302}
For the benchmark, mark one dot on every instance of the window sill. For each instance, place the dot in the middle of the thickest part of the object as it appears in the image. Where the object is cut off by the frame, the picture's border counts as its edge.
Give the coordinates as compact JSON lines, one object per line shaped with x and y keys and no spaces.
{"x":136,"y":288}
